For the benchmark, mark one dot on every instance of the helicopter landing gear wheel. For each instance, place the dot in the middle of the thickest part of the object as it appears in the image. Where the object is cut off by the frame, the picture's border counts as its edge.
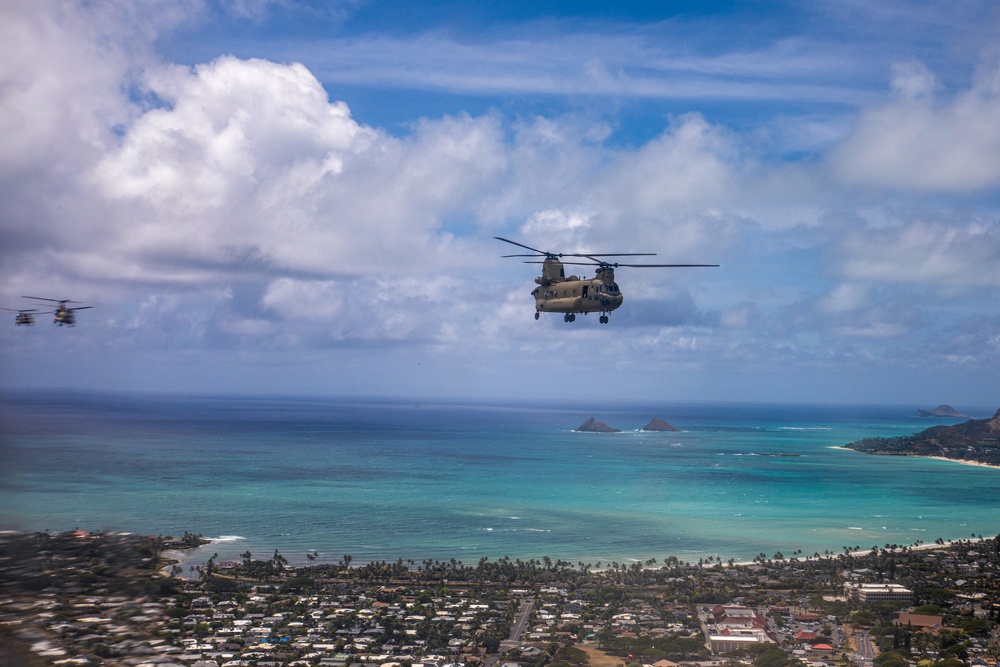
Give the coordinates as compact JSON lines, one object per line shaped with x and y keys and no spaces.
{"x":604,"y":319}
{"x":569,"y":317}
{"x":536,"y":314}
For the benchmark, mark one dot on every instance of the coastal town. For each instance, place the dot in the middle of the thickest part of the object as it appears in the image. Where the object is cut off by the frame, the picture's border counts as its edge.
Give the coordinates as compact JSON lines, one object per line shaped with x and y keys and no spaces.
{"x":105,"y":598}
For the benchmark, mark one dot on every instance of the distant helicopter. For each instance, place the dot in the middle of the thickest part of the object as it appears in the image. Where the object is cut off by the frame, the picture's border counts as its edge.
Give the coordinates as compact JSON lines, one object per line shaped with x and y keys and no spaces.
{"x":558,"y":294}
{"x":25,"y":317}
{"x":64,"y":314}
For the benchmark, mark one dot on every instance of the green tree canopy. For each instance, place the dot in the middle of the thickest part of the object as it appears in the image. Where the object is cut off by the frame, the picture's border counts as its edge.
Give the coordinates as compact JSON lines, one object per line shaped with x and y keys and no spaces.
{"x":929,"y":610}
{"x":772,"y":657}
{"x":949,"y":662}
{"x":892,"y":658}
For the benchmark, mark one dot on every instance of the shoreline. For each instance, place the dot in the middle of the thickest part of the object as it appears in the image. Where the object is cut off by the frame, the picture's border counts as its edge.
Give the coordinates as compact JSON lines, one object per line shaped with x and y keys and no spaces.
{"x":860,"y":553}
{"x":190,"y":560}
{"x":967,"y":462}
{"x":978,"y":464}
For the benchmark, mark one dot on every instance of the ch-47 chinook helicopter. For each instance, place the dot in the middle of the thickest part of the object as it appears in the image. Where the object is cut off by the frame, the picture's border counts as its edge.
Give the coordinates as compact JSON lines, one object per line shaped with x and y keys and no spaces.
{"x":25,"y":317}
{"x":558,"y":294}
{"x":64,"y":314}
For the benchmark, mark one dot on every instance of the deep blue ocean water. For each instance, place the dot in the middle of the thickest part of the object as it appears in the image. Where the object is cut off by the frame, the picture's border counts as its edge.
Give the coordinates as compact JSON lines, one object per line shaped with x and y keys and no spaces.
{"x":383,"y":480}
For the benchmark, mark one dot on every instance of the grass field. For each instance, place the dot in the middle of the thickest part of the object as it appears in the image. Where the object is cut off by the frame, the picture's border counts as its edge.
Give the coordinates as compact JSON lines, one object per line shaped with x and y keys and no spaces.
{"x":599,"y":658}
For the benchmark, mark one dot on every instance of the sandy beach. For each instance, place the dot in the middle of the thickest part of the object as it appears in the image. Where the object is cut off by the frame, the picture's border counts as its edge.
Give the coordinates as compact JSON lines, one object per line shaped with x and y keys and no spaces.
{"x":963,"y":462}
{"x":936,"y":458}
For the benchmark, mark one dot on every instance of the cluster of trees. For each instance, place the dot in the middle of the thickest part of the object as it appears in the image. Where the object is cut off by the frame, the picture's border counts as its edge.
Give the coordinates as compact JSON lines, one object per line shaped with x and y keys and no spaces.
{"x":684,"y":581}
{"x":565,"y":656}
{"x":649,"y":650}
{"x":901,"y":658}
{"x":188,"y":540}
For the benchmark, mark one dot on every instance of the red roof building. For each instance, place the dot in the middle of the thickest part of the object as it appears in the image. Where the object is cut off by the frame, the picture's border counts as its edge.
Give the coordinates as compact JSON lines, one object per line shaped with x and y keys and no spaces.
{"x":735,"y":615}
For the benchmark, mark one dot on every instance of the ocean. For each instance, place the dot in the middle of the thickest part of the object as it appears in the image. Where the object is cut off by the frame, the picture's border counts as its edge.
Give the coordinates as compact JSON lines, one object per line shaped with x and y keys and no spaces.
{"x":434,"y":480}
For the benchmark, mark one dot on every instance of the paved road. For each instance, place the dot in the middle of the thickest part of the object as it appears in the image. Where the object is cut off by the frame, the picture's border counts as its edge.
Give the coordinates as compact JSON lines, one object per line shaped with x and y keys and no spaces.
{"x":521,"y":620}
{"x":517,"y":629}
{"x":866,"y":654}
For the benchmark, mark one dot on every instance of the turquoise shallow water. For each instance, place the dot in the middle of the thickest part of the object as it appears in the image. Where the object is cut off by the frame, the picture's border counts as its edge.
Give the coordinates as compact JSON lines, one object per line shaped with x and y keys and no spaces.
{"x":382,"y":480}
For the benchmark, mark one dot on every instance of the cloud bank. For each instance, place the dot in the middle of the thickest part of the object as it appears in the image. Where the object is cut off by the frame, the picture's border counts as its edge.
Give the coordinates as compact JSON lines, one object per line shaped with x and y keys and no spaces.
{"x":238,"y":205}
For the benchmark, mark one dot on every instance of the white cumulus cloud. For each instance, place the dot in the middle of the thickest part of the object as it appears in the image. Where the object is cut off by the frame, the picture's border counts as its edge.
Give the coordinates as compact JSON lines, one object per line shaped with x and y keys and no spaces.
{"x":923,"y":142}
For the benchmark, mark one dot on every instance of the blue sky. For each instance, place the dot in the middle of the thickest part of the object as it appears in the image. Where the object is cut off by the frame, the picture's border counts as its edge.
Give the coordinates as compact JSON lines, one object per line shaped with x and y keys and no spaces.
{"x":290,"y":197}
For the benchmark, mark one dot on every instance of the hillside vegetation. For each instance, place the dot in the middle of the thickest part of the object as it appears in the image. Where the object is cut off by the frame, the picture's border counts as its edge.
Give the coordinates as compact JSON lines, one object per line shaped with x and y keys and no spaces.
{"x":977,"y":440}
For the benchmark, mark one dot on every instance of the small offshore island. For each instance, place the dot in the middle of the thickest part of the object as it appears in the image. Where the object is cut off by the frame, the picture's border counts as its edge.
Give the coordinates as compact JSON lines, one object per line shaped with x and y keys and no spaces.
{"x":976,"y":441}
{"x":945,"y":411}
{"x":592,"y":425}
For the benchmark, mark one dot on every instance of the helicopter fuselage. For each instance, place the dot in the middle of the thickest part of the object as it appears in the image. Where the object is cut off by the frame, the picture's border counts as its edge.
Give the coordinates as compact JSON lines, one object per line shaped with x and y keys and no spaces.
{"x":65,"y":316}
{"x":574,"y":295}
{"x":558,"y":294}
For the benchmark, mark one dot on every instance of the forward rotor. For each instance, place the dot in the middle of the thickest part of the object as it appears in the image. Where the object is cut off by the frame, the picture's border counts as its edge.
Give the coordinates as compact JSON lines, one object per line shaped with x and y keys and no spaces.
{"x":559,"y":255}
{"x":62,"y":302}
{"x":42,"y":298}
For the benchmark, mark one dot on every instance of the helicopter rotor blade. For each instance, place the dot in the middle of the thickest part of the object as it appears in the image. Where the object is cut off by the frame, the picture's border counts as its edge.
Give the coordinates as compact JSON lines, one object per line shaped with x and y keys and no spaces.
{"x":594,"y":258}
{"x":42,"y":298}
{"x":589,"y":255}
{"x":665,"y":266}
{"x":615,"y":265}
{"x":592,"y":255}
{"x":526,"y":247}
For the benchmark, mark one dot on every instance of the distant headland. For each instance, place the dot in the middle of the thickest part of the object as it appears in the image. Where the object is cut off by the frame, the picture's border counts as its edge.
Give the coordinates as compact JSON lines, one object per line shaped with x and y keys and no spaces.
{"x":942,"y":411}
{"x":976,"y":441}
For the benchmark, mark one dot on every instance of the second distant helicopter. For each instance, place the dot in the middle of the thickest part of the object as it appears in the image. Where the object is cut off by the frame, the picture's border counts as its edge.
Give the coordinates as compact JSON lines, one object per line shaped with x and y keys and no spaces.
{"x":24,"y":317}
{"x":558,"y":294}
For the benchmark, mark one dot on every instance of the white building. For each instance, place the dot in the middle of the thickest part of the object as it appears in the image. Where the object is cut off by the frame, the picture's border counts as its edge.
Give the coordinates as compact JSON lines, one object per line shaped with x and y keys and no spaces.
{"x":733,"y":641}
{"x":878,"y":593}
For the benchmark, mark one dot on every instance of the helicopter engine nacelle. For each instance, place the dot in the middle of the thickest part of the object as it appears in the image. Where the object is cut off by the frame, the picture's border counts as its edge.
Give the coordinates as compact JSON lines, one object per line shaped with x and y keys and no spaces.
{"x":552,"y":272}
